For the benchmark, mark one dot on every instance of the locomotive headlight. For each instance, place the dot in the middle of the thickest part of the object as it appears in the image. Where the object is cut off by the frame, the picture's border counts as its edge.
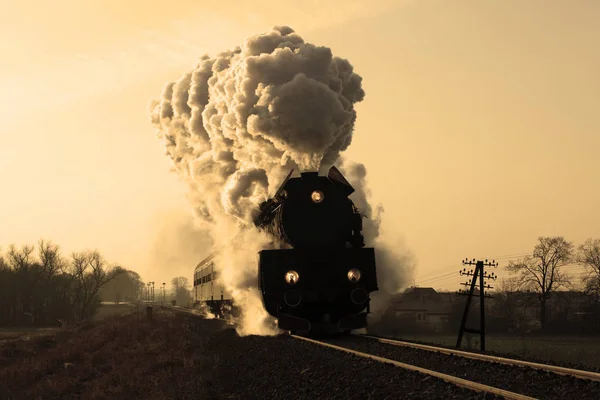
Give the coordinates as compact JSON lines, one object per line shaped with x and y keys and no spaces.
{"x":354,"y":275}
{"x":317,"y":196}
{"x":291,"y":277}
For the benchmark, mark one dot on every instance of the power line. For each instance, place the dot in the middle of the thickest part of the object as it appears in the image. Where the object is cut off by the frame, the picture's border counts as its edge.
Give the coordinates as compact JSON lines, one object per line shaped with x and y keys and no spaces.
{"x":437,"y":277}
{"x":445,"y":268}
{"x":447,"y":277}
{"x":513,"y":255}
{"x":443,"y":281}
{"x":506,"y":256}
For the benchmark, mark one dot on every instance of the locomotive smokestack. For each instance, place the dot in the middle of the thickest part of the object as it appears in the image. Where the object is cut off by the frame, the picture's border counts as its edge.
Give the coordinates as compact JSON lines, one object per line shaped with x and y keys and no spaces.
{"x":309,"y":174}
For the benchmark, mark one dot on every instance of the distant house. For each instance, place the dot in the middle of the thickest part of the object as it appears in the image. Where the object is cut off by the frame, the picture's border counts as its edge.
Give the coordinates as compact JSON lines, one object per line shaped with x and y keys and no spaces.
{"x":422,"y":307}
{"x":570,"y":307}
{"x":521,"y":310}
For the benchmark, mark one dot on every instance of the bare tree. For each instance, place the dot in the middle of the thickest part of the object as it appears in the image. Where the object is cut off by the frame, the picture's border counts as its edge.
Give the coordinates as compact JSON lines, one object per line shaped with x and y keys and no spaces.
{"x":588,"y":255}
{"x":42,"y":282}
{"x":42,"y":288}
{"x":126,"y":286}
{"x":6,"y":292}
{"x":180,"y":289}
{"x":19,"y":259}
{"x":90,"y":273}
{"x":50,"y":259}
{"x":179,"y":282}
{"x":541,"y":272}
{"x":3,"y":264}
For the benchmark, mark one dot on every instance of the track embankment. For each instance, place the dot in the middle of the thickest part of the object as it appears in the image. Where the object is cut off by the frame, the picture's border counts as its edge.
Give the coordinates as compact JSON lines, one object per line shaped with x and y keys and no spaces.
{"x":181,"y":356}
{"x":280,"y":366}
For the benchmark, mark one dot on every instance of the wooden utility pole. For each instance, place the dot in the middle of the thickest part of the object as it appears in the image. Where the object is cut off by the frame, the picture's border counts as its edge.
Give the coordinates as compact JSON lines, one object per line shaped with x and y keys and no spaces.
{"x":479,"y":272}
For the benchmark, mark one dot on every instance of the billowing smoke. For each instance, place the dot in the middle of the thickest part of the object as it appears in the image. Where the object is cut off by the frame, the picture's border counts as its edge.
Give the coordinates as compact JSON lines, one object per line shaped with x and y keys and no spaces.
{"x":179,"y":244}
{"x":237,"y":123}
{"x":395,"y":264}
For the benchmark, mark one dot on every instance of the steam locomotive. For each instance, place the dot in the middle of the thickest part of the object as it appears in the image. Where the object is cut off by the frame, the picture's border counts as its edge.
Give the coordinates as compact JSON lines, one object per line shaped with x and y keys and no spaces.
{"x":320,"y":277}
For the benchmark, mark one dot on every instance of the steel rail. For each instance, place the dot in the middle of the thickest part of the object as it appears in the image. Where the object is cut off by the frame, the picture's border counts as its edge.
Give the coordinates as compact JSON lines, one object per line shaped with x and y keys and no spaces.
{"x":578,"y":373}
{"x":448,"y":378}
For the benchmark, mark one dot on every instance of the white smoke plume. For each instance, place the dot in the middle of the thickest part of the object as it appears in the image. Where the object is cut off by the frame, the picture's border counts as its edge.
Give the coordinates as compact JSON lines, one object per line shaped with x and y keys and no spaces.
{"x":395,"y":264}
{"x":179,"y":243}
{"x":237,"y":123}
{"x":203,"y":310}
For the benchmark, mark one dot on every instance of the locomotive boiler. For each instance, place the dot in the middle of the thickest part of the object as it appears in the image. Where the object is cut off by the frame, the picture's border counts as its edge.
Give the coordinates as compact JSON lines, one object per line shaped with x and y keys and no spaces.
{"x":321,"y":276}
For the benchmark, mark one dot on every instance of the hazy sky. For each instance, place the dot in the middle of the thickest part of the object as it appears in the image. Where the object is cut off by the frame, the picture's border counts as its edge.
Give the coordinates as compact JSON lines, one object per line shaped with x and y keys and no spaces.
{"x":480,"y":127}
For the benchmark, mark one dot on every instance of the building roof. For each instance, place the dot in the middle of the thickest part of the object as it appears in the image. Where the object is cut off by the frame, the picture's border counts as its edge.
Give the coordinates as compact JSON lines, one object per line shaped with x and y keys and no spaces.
{"x":422,"y":299}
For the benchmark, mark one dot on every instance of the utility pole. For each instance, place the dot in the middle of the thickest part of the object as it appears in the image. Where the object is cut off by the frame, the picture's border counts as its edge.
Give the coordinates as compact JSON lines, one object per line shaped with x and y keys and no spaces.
{"x":479,"y":272}
{"x":164,"y":292}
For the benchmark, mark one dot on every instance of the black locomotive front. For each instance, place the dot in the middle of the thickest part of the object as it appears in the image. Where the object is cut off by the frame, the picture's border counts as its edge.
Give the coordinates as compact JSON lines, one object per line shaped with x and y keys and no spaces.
{"x":325,"y":278}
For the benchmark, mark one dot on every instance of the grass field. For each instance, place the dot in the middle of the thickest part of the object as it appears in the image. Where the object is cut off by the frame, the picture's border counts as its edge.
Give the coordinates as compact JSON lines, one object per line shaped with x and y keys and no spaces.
{"x":566,"y":349}
{"x":120,"y":357}
{"x":103,"y":312}
{"x":112,"y":310}
{"x":16,"y":332}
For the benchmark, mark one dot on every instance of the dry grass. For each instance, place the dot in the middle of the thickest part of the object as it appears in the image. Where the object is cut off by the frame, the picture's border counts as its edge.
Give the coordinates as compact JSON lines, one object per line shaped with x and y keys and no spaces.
{"x":104,"y":311}
{"x":25,"y":332}
{"x":113,"y":310}
{"x":121,"y":357}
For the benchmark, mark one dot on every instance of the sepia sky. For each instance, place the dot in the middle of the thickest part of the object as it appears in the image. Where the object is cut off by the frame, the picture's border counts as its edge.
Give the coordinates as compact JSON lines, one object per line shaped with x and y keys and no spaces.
{"x":480,"y":127}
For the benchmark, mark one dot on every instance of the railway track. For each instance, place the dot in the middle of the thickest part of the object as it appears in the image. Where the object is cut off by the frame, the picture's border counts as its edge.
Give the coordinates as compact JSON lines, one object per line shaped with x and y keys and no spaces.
{"x":577,"y":373}
{"x":478,"y":387}
{"x":497,"y":376}
{"x":511,"y":379}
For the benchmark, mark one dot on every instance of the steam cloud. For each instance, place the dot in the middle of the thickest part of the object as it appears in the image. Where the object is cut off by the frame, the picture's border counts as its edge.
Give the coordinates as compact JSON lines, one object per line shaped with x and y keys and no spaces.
{"x":238,"y":123}
{"x":179,"y":244}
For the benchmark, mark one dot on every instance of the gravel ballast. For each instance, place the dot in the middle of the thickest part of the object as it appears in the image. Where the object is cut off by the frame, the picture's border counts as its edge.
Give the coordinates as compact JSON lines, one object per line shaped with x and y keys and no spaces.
{"x":258,"y":367}
{"x":527,"y":381}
